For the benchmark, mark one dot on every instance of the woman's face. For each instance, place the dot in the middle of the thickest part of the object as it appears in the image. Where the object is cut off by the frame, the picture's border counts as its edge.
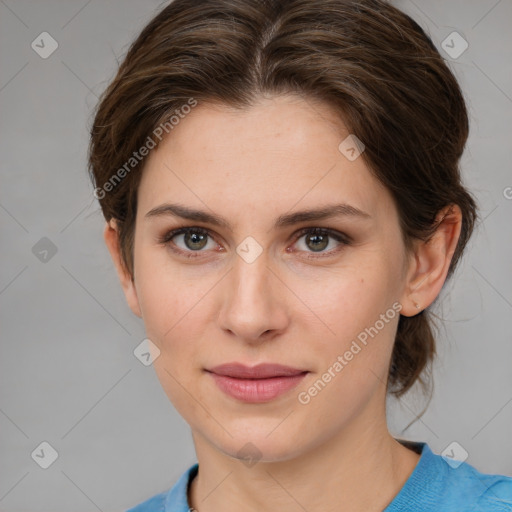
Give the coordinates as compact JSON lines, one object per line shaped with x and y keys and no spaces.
{"x":261,"y":286}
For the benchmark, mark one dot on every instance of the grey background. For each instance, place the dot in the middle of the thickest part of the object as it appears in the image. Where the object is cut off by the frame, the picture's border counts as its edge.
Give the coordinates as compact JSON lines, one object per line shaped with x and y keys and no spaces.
{"x":67,"y":370}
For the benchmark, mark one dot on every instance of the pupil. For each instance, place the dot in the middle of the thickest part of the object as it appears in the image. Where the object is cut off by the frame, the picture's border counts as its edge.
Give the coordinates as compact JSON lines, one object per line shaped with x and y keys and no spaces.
{"x":195,"y":240}
{"x":319,"y":238}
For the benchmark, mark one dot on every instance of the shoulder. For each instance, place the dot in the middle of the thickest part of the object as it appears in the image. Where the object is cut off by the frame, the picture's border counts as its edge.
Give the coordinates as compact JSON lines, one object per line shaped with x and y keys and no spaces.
{"x":498,"y":496}
{"x":173,"y":500}
{"x":442,"y":484}
{"x":486,"y":492}
{"x":466,"y":489}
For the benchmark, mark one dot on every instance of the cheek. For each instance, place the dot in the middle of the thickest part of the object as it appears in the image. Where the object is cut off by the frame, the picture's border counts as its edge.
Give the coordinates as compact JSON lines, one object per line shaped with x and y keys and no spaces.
{"x":173,"y":308}
{"x":167,"y":295}
{"x":356,"y":314}
{"x":177,"y":313}
{"x":348,"y":299}
{"x":352,"y":357}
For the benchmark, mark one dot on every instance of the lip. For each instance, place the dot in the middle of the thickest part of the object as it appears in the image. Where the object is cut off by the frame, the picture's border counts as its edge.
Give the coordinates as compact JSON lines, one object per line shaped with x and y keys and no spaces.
{"x":256,"y":384}
{"x":260,"y":371}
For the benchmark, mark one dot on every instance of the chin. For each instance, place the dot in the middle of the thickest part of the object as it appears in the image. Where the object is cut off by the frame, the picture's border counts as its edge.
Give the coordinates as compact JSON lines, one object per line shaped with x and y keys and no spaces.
{"x":254,"y":448}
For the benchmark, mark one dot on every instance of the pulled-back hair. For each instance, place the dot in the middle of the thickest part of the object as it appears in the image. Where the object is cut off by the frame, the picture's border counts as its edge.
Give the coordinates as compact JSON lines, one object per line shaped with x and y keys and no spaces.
{"x":371,"y":63}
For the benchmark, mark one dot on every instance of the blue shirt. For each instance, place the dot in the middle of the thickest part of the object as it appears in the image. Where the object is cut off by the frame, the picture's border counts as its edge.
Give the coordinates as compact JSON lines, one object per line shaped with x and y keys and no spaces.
{"x":436,"y":485}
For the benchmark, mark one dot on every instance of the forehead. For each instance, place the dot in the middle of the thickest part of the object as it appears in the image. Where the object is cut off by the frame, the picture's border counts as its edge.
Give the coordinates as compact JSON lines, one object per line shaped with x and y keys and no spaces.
{"x":267,"y":158}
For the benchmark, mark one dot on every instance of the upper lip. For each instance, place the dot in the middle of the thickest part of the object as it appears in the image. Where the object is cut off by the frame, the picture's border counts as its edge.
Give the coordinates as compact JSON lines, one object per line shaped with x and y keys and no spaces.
{"x":260,"y":371}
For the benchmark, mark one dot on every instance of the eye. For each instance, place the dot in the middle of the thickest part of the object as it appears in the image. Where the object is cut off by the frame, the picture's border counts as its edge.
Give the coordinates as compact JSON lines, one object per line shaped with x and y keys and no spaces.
{"x":188,"y":240}
{"x":317,"y":240}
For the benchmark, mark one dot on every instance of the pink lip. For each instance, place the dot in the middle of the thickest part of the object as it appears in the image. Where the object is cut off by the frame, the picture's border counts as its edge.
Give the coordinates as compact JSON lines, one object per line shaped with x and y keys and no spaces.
{"x":260,"y":371}
{"x":256,"y":384}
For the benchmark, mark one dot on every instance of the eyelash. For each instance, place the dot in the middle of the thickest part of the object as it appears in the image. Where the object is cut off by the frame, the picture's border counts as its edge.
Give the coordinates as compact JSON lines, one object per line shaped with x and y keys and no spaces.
{"x":343,"y":239}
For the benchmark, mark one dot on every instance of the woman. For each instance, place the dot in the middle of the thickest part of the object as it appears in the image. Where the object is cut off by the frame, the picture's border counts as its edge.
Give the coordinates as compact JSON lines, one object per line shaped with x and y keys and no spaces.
{"x":283,"y":201}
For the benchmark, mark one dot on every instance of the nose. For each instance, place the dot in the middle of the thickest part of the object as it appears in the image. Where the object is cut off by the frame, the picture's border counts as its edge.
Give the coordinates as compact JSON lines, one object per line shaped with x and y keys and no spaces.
{"x":253,"y":307}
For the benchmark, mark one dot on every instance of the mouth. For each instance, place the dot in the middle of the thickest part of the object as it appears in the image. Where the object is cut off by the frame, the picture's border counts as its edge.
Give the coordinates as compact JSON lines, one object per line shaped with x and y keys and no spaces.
{"x":257,"y":384}
{"x":260,"y":371}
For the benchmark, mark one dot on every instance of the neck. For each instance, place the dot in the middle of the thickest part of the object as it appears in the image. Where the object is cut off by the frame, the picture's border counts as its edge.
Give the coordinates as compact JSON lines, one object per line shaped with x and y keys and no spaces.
{"x":360,"y":469}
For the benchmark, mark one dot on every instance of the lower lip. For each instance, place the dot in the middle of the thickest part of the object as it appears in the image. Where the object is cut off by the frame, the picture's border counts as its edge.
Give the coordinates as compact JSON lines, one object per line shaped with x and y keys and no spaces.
{"x":256,"y":390}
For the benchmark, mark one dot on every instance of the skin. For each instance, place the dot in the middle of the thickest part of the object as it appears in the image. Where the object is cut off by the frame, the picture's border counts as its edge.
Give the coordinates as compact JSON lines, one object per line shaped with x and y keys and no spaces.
{"x":250,"y":167}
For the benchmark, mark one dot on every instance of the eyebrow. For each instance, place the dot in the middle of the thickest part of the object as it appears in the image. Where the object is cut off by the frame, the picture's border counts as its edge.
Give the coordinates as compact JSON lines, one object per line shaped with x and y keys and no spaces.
{"x":289,"y":219}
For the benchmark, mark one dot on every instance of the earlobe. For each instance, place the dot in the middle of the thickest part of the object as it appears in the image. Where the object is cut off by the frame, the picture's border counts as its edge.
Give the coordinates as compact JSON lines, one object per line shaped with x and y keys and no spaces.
{"x":431,"y":261}
{"x":111,"y":237}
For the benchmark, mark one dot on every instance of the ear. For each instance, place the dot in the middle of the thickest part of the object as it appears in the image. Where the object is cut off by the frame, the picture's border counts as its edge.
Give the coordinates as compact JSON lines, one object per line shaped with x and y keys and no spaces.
{"x":430,"y":262}
{"x":111,"y":236}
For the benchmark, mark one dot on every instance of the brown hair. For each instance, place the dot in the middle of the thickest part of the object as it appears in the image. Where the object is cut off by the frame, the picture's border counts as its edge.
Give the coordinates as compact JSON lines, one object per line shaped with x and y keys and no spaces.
{"x":367,"y":60}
